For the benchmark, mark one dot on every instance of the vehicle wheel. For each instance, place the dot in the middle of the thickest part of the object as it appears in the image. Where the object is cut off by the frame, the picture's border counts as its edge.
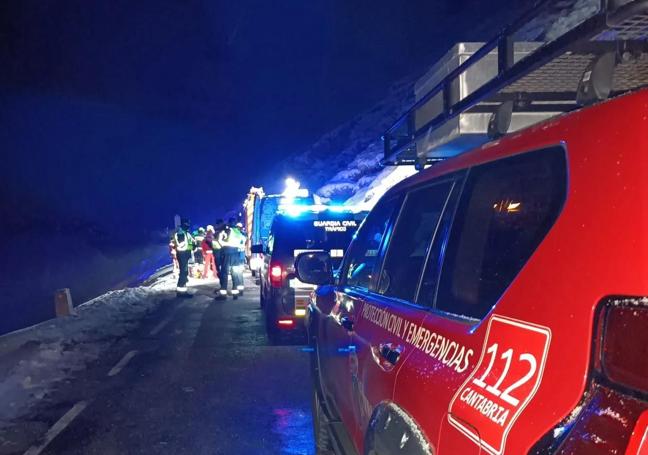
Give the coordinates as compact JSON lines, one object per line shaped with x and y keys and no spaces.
{"x":320,"y":430}
{"x":392,"y":432}
{"x":262,"y":300}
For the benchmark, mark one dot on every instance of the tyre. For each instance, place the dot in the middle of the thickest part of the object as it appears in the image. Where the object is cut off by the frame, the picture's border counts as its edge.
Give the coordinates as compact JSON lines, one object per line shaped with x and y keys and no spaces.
{"x":320,"y":428}
{"x":392,"y":432}
{"x":262,"y":300}
{"x":271,"y":324}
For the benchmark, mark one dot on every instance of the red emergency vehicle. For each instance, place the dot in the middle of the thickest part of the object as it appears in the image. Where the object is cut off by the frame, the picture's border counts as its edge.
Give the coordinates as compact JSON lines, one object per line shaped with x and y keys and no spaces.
{"x":497,"y":302}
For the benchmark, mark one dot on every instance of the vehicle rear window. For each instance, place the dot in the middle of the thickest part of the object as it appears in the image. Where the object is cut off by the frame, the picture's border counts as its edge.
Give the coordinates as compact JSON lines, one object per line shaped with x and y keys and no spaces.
{"x":413,"y":234}
{"x":506,"y":209}
{"x":330,"y":234}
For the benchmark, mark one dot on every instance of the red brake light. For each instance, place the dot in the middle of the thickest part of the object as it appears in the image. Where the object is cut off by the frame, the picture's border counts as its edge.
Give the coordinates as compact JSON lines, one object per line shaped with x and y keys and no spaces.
{"x":276,"y":276}
{"x":285,"y":322}
{"x":624,"y":353}
{"x":613,"y":414}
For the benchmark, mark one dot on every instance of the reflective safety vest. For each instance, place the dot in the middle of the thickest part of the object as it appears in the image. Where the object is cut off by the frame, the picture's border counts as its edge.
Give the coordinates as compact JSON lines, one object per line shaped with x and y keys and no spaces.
{"x":237,"y":238}
{"x":234,"y":238}
{"x":186,"y":244}
{"x":217,"y":243}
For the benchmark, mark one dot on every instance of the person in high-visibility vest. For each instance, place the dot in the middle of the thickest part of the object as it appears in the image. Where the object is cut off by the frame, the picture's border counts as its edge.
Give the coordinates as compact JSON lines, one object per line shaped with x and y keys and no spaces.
{"x":174,"y":257}
{"x":230,"y":241}
{"x":198,"y":236}
{"x":184,"y":244}
{"x":219,"y":257}
{"x":208,"y":253}
{"x":237,"y":239}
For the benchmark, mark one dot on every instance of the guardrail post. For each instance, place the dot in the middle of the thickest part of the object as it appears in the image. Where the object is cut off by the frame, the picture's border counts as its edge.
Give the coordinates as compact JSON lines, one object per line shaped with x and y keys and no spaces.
{"x":63,"y":303}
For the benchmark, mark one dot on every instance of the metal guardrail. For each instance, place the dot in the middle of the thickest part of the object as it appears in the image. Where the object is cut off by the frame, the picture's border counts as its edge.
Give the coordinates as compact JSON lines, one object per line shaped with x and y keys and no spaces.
{"x":615,"y":25}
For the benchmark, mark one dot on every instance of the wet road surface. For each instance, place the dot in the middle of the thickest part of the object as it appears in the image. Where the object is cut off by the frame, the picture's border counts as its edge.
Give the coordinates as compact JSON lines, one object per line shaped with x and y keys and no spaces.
{"x":197,"y":377}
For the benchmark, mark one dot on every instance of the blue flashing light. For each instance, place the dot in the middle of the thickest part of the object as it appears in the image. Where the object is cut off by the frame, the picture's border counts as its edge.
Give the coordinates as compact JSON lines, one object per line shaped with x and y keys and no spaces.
{"x":294,"y":210}
{"x":349,"y":348}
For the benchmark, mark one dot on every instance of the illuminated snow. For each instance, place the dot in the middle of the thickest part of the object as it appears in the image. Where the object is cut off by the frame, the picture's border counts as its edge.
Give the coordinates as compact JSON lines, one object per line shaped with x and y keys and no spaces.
{"x":52,"y":351}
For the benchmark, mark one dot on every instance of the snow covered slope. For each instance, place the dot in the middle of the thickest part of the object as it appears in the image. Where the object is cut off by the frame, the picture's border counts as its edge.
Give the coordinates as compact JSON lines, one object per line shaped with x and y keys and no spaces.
{"x":344,"y":163}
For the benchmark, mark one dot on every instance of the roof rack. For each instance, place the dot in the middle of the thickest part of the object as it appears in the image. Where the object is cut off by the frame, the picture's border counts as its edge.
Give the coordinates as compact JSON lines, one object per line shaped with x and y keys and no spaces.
{"x":560,"y":55}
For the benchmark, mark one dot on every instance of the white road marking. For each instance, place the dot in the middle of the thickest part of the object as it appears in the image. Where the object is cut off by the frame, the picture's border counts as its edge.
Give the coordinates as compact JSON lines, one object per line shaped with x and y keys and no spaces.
{"x":122,"y":363}
{"x":58,"y":427}
{"x":160,"y":326}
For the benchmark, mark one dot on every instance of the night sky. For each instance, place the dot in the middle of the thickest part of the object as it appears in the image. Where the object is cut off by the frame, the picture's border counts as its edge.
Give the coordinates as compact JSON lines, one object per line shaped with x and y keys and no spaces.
{"x":121,"y":113}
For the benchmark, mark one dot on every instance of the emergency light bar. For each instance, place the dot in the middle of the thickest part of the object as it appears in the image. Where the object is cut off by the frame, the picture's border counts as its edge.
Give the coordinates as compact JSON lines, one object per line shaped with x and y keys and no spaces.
{"x":296,"y":210}
{"x":293,"y":189}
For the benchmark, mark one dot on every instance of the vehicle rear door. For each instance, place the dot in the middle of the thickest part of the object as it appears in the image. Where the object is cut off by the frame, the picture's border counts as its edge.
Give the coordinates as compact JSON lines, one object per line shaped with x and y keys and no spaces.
{"x":473,"y":370}
{"x":387,"y":315}
{"x":264,"y":270}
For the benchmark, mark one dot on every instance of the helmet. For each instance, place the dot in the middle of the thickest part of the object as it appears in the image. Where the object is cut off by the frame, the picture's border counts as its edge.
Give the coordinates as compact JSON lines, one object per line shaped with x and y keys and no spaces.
{"x":210,"y":228}
{"x":201,"y":230}
{"x":239,"y":225}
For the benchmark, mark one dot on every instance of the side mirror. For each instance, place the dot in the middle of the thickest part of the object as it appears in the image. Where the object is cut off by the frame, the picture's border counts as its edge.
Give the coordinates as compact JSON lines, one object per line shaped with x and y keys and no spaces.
{"x":314,"y":267}
{"x":257,"y":249}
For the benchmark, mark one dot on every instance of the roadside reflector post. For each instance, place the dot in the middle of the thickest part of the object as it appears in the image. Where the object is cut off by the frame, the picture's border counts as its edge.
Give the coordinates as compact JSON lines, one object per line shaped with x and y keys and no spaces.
{"x":63,"y":303}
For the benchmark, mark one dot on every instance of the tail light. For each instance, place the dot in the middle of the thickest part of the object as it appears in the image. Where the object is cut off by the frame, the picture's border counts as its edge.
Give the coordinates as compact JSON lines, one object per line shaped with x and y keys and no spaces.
{"x":624,"y":344}
{"x":285,"y":323}
{"x":276,"y":275}
{"x":613,"y":415}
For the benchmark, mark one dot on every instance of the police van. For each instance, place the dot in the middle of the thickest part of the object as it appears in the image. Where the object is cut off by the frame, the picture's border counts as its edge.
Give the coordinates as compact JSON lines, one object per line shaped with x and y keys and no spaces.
{"x":497,"y":301}
{"x":297,"y":229}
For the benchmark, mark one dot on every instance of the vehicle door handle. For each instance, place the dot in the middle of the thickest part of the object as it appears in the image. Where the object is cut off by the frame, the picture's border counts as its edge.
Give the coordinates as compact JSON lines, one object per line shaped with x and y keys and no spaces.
{"x":390,"y":352}
{"x":347,"y":323}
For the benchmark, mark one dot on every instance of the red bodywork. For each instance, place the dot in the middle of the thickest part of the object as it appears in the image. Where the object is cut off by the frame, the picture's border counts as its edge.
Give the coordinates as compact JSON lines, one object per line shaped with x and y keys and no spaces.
{"x":543,"y":326}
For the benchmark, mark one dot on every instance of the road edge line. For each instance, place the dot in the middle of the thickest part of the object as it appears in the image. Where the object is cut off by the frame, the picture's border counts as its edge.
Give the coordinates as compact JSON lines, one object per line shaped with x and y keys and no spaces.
{"x":56,"y":429}
{"x":160,"y":326}
{"x":122,"y":363}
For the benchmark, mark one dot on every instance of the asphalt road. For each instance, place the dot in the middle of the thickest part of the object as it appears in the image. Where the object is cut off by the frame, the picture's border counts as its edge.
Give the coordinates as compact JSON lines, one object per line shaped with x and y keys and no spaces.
{"x":197,"y":377}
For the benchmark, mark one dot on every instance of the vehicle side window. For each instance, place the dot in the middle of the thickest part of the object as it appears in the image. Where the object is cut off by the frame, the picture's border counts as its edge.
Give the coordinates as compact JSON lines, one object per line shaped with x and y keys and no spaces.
{"x":506,"y":209}
{"x":412,"y":238}
{"x":361,"y":258}
{"x":430,"y":279}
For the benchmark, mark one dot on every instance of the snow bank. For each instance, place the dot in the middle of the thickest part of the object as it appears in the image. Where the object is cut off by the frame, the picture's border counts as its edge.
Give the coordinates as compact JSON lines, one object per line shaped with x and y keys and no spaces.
{"x":36,"y":358}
